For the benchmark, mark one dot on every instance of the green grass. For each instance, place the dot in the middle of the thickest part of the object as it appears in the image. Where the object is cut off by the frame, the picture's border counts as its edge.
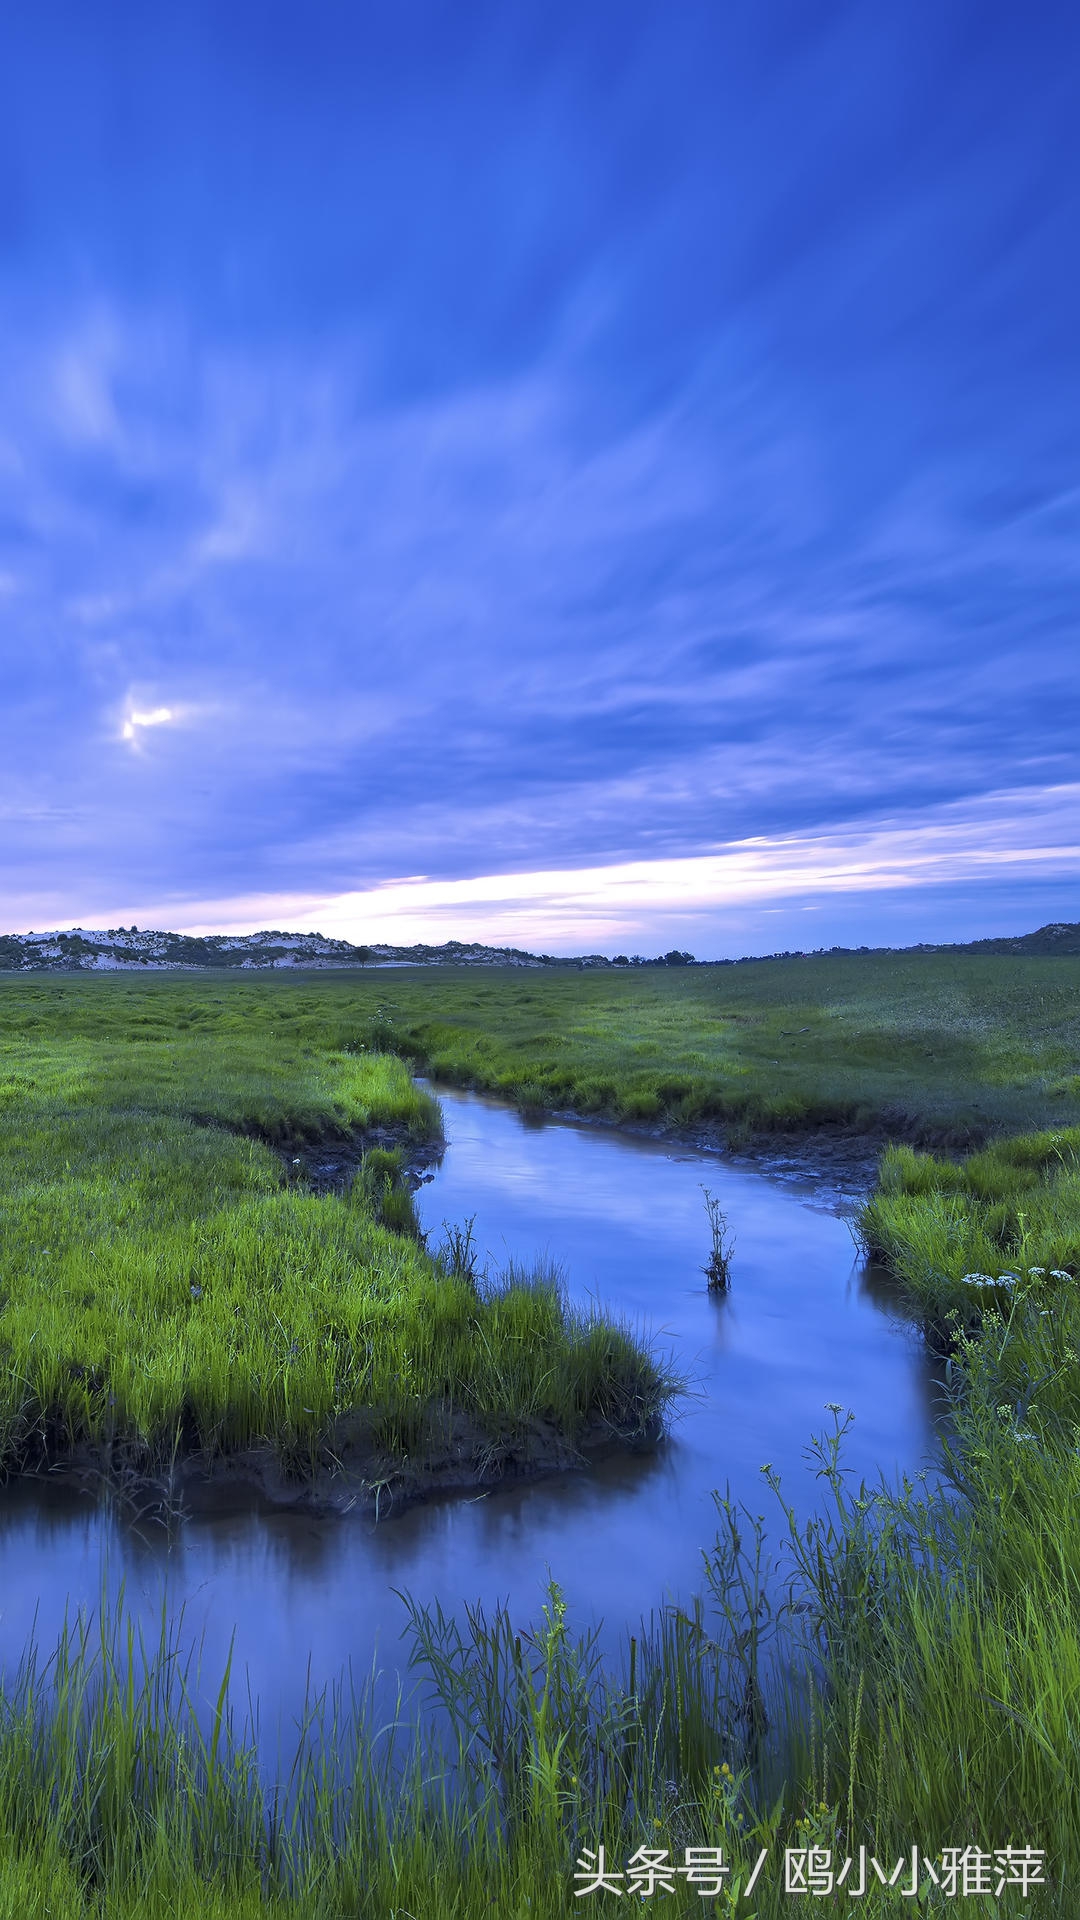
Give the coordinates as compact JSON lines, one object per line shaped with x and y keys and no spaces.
{"x":932,"y":1047}
{"x":903,"y":1670}
{"x":999,"y":1227}
{"x":961,"y":1631}
{"x":119,"y":1797}
{"x":164,"y":1291}
{"x":935,"y":1047}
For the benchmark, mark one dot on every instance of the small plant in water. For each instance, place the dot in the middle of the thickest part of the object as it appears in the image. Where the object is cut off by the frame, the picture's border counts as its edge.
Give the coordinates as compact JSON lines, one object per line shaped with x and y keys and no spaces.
{"x":717,"y":1269}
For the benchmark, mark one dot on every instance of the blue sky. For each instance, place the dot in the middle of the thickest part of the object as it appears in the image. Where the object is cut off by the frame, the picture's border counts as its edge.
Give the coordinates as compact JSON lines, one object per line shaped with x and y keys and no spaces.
{"x":597,"y":477}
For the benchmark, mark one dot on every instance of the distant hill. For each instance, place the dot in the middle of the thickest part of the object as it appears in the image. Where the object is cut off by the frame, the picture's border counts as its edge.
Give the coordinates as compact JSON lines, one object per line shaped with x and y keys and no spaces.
{"x":1061,"y":936}
{"x":127,"y":949}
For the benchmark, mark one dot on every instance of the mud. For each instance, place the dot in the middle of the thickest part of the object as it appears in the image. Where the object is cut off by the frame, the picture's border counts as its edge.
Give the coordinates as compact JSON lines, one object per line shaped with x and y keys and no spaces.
{"x":349,"y":1476}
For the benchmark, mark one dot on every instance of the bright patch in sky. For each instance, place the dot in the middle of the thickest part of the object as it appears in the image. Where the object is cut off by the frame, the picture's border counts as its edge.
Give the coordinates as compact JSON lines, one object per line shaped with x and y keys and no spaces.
{"x":618,"y":463}
{"x":157,"y":717}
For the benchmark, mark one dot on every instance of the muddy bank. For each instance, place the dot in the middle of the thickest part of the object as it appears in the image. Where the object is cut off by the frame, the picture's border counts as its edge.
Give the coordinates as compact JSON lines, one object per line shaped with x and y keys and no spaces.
{"x":328,"y":1165}
{"x":355,"y":1478}
{"x":838,"y":1159}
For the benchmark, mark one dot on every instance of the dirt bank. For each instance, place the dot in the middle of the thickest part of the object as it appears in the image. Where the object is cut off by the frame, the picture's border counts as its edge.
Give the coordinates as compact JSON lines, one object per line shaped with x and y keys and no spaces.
{"x":350,"y":1475}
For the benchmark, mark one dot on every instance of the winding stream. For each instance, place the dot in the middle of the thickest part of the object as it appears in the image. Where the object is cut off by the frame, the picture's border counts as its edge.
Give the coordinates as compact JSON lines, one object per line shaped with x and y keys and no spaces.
{"x":303,"y":1598}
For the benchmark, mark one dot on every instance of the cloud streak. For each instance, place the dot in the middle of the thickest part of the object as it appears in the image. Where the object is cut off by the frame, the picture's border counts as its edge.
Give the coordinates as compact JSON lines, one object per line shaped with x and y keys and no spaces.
{"x":1009,"y":836}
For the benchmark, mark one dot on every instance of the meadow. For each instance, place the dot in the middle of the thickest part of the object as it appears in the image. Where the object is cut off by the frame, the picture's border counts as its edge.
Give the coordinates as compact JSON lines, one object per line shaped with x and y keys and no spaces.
{"x":940,"y":1048}
{"x":901,"y":1672}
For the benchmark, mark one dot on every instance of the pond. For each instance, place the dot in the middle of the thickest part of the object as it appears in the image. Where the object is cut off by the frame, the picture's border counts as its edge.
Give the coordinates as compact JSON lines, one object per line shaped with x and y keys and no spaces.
{"x":300,"y":1598}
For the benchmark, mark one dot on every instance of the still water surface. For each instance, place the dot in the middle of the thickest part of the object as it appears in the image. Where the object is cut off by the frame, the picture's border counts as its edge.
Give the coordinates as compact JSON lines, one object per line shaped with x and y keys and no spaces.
{"x":302,"y":1599}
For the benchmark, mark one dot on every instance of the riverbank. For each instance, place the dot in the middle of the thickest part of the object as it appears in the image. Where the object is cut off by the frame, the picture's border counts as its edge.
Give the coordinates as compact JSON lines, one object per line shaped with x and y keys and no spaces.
{"x":347,"y":1475}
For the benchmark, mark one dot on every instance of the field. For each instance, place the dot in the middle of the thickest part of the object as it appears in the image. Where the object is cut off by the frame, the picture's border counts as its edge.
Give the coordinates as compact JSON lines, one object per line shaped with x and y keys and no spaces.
{"x":936,"y":1046}
{"x":907,"y":1676}
{"x":940,"y":1048}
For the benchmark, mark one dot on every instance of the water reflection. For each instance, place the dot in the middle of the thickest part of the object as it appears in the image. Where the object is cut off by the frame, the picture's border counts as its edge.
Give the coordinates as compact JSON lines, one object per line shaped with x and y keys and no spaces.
{"x":806,"y":1322}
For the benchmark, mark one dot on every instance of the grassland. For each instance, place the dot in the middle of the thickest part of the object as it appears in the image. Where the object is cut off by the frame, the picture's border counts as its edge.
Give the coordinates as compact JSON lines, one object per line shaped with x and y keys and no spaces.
{"x":941,"y":1048}
{"x":945,"y":1048}
{"x":938,"y":1048}
{"x":172,"y":1304}
{"x":907,"y":1675}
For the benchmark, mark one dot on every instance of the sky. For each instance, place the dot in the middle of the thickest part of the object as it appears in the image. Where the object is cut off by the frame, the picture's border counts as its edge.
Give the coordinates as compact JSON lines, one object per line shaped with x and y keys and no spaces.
{"x":587,"y":477}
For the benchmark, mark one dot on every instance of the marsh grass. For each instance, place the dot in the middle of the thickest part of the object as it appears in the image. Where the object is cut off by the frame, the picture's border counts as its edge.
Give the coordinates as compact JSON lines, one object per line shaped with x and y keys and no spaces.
{"x":990,"y":1230}
{"x":166,"y":1290}
{"x":949,"y":1048}
{"x":935,"y":1048}
{"x":458,"y":1251}
{"x":717,"y":1268}
{"x":122,"y":1792}
{"x":962,"y":1632}
{"x":381,"y":1181}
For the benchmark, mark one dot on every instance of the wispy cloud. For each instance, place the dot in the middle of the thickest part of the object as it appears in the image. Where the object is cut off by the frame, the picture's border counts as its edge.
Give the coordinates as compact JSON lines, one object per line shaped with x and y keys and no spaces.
{"x":1006,"y":837}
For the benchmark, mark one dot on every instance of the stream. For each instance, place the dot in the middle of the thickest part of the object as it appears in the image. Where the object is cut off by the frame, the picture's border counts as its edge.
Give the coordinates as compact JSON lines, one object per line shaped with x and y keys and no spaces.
{"x":300,"y":1599}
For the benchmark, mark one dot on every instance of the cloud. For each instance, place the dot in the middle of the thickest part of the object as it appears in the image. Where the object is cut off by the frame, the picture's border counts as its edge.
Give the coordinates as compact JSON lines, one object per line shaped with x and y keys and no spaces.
{"x":1005,"y":838}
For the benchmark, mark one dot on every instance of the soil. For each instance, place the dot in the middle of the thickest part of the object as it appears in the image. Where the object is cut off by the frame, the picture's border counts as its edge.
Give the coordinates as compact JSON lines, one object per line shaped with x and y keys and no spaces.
{"x":355,"y":1478}
{"x":327,"y":1166}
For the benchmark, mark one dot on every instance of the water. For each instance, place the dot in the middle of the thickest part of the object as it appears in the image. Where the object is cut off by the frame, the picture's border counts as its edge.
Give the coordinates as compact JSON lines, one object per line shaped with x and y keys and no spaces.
{"x":300,"y":1599}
